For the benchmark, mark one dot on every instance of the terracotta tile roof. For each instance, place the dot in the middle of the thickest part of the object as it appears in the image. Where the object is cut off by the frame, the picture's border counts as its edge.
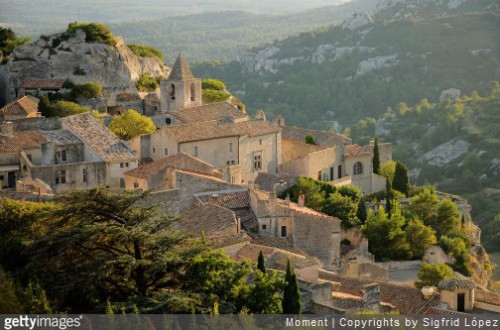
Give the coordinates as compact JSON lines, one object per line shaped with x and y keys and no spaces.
{"x":217,"y":129}
{"x":274,"y":242}
{"x":248,"y":219}
{"x":180,"y":161}
{"x":180,"y":70}
{"x":231,"y":199}
{"x":203,"y":176}
{"x":266,"y":181}
{"x":218,"y":242}
{"x":326,"y":139}
{"x":20,"y":141}
{"x":98,"y":138}
{"x":44,"y":84}
{"x":407,"y":300}
{"x":355,"y":150}
{"x":210,"y":219}
{"x":456,"y":284}
{"x":208,"y":112}
{"x":311,"y":212}
{"x":62,"y":137}
{"x":26,"y":106}
{"x":251,"y":252}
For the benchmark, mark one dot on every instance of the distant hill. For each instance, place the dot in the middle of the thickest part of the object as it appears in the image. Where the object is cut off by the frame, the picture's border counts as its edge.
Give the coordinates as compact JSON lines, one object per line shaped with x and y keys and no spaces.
{"x":340,"y":74}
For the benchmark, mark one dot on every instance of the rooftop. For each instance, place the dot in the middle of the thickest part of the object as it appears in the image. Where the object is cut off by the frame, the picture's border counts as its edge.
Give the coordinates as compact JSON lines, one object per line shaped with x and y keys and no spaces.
{"x":210,"y":219}
{"x":180,"y":161}
{"x":208,"y":112}
{"x":294,"y":149}
{"x":20,"y":141}
{"x":43,"y":84}
{"x":217,"y":129}
{"x":355,"y":150}
{"x":61,"y":137}
{"x":231,"y":199}
{"x":266,"y":181}
{"x":456,"y":284}
{"x":180,"y":70}
{"x":218,"y":242}
{"x":100,"y":139}
{"x":26,"y":106}
{"x":326,"y":139}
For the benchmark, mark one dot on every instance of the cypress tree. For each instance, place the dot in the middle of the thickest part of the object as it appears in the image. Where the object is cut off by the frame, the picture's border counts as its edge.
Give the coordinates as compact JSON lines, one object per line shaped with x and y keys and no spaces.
{"x":388,"y":198}
{"x":291,"y":295}
{"x":400,"y":182}
{"x":376,"y":158}
{"x":361,"y":214}
{"x":261,"y":263}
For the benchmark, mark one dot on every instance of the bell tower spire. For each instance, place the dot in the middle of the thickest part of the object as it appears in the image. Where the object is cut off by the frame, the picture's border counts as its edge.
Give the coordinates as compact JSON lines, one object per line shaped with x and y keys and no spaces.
{"x":181,"y":89}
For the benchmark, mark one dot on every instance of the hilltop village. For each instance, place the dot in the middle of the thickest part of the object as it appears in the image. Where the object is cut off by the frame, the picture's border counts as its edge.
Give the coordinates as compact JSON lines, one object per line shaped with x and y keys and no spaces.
{"x":224,"y":172}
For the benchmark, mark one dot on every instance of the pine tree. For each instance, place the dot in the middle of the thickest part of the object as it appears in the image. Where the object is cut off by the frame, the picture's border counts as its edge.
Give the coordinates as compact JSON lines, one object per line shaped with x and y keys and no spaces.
{"x":291,"y":294}
{"x":261,"y":263}
{"x":362,"y":214}
{"x":376,"y":158}
{"x":400,"y":182}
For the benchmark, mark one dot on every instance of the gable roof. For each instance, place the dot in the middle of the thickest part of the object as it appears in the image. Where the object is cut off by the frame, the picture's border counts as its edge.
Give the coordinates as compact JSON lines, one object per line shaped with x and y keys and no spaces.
{"x":43,"y":84}
{"x":456,"y":284}
{"x":61,"y":137}
{"x":231,"y":199}
{"x":20,"y":141}
{"x":208,"y":112}
{"x":180,"y":161}
{"x":325,"y":139}
{"x":217,"y":129}
{"x":218,"y":242}
{"x":355,"y":150}
{"x":210,"y":219}
{"x":98,"y":138}
{"x":408,"y":300}
{"x":26,"y":106}
{"x":180,"y":70}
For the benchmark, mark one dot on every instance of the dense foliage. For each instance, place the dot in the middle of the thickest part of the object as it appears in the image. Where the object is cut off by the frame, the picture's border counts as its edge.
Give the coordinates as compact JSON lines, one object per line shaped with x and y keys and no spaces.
{"x":8,"y":41}
{"x":95,"y":32}
{"x":146,"y":83}
{"x":130,"y":124}
{"x":431,"y":275}
{"x":87,"y":90}
{"x":146,"y":51}
{"x":60,"y":108}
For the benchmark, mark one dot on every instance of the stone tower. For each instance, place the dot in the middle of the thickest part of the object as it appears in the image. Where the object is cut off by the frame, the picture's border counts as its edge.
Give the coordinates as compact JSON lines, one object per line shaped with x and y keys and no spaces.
{"x":181,"y":89}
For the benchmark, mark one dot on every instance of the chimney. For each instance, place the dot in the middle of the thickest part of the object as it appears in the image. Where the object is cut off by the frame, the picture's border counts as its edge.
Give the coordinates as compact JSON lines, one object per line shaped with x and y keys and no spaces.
{"x":371,"y":295}
{"x":238,"y":225}
{"x":8,"y":129}
{"x":302,"y":199}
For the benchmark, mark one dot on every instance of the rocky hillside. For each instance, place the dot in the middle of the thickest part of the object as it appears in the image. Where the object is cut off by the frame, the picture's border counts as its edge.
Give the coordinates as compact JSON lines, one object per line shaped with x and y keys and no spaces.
{"x":402,"y":51}
{"x":61,"y":56}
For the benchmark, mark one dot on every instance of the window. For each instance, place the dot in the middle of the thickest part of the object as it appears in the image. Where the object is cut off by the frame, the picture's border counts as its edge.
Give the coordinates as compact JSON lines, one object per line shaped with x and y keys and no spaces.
{"x":64,"y":156}
{"x":257,"y":161}
{"x":358,"y":168}
{"x":331,"y":174}
{"x":154,"y":150}
{"x":230,"y":147}
{"x":121,"y":165}
{"x":63,"y":176}
{"x":172,"y":92}
{"x":195,"y":152}
{"x":283,"y":231}
{"x":264,"y":227}
{"x":166,"y":151}
{"x":233,"y":162}
{"x":193,"y":94}
{"x":126,"y":164}
{"x":136,"y":184}
{"x":84,"y":175}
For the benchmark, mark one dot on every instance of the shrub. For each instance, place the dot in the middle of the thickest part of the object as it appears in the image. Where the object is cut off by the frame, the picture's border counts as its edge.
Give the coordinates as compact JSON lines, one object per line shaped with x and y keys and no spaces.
{"x":214,"y":96}
{"x":146,"y":51}
{"x":67,"y":108}
{"x":88,"y":90}
{"x":431,"y":275}
{"x":146,"y":83}
{"x":213,"y":84}
{"x":95,"y":32}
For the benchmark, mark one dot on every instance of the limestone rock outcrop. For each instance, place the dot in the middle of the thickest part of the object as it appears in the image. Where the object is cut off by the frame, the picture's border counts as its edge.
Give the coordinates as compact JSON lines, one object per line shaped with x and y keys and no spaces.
{"x":59,"y":56}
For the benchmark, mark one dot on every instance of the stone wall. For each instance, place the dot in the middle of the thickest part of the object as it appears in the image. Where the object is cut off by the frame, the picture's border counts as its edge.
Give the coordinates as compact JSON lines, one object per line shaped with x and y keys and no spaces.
{"x":366,"y":270}
{"x":37,"y":124}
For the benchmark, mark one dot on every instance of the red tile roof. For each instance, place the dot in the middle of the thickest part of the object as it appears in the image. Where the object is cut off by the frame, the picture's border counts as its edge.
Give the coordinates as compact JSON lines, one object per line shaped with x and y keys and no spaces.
{"x":43,"y":84}
{"x":26,"y":106}
{"x":20,"y":141}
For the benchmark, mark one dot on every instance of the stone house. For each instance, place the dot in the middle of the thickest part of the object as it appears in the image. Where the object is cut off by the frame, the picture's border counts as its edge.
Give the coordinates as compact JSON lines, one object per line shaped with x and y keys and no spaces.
{"x":11,"y":145}
{"x":25,"y":107}
{"x":457,"y":294}
{"x":38,"y":87}
{"x":82,"y":154}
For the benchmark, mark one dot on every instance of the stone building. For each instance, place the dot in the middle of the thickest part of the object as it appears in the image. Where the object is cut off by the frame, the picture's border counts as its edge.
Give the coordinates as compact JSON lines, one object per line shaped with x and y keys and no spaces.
{"x":81,"y":154}
{"x":457,"y":294}
{"x":25,"y":107}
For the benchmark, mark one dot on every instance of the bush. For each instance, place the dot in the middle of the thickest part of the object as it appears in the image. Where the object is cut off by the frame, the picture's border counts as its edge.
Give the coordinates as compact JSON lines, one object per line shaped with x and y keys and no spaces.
{"x":146,"y":51}
{"x":213,"y":84}
{"x":430,"y":275}
{"x":95,"y":32}
{"x":146,"y":83}
{"x":88,"y":90}
{"x":214,"y":96}
{"x":67,"y":108}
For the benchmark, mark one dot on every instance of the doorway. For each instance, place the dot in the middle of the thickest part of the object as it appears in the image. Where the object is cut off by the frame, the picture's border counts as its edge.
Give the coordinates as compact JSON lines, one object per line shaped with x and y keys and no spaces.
{"x":461,"y":302}
{"x":12,"y":179}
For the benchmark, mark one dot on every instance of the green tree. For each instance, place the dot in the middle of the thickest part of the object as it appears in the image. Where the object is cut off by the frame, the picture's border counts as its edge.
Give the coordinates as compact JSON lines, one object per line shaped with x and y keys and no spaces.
{"x":291,"y":296}
{"x":67,"y":108}
{"x":400,"y":182}
{"x":87,"y":90}
{"x":431,"y":275}
{"x":388,"y":170}
{"x":264,"y":294}
{"x":214,"y":96}
{"x":124,"y":246}
{"x":343,"y":208}
{"x":261,"y":264}
{"x":213,"y":84}
{"x":389,"y":197}
{"x":362,"y":214}
{"x":353,"y":192}
{"x":131,"y":124}
{"x":9,"y":302}
{"x":420,"y":237}
{"x":146,"y":83}
{"x":310,"y":139}
{"x":94,"y":32}
{"x":315,"y":192}
{"x":448,"y":218}
{"x":376,"y":158}
{"x":8,"y":41}
{"x":35,"y":300}
{"x":424,"y":206}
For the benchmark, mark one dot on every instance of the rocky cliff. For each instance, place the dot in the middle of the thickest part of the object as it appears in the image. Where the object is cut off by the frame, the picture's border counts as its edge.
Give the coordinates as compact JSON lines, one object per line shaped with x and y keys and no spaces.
{"x":60,"y":56}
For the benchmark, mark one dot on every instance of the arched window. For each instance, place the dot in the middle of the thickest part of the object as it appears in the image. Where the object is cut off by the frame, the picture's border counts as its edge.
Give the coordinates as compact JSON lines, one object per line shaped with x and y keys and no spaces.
{"x":172,"y":92}
{"x":358,"y":168}
{"x":193,"y":94}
